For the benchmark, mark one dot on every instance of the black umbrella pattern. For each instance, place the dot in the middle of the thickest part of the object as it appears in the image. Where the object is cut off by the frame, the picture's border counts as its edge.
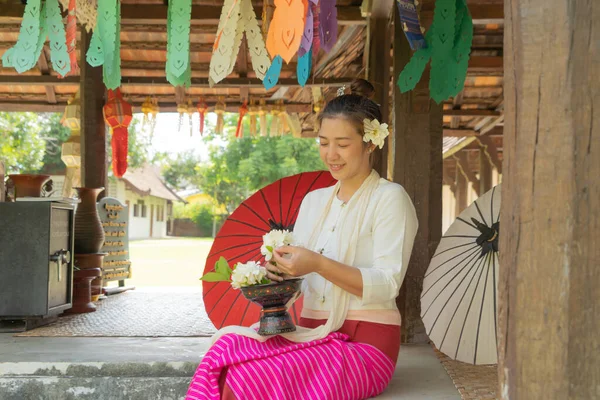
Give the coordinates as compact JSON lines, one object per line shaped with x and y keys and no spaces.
{"x":458,"y":302}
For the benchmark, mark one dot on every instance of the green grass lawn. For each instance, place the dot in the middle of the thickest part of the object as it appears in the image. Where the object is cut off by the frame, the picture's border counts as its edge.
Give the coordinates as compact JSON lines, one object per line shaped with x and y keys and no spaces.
{"x":167,"y":262}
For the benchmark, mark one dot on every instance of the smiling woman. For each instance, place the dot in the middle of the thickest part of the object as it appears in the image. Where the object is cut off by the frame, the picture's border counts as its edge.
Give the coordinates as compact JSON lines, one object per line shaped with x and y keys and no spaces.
{"x":356,"y":239}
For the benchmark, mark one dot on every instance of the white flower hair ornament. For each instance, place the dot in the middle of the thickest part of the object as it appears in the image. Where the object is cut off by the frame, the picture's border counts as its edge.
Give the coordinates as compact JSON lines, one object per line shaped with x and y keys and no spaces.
{"x":375,"y":132}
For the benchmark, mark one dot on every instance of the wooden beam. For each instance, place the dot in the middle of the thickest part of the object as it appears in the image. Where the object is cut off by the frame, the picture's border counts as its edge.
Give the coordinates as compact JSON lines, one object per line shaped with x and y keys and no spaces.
{"x":471,"y":113}
{"x":28,"y":106}
{"x":548,"y":291}
{"x":93,"y":131}
{"x":24,"y":80}
{"x":380,"y":38}
{"x":459,"y":133}
{"x":491,"y":151}
{"x":418,"y":166}
{"x":463,"y":164}
{"x":45,"y":70}
{"x":338,"y":47}
{"x":149,"y":14}
{"x":481,"y":13}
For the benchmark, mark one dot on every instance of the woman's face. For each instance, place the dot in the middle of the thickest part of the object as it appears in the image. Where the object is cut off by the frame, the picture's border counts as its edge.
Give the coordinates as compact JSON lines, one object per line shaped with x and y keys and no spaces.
{"x":342,"y":149}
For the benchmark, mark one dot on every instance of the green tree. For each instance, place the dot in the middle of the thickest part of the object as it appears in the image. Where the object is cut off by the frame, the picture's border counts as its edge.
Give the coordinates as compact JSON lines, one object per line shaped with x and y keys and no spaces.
{"x":181,"y":171}
{"x":238,"y":167}
{"x":21,"y":145}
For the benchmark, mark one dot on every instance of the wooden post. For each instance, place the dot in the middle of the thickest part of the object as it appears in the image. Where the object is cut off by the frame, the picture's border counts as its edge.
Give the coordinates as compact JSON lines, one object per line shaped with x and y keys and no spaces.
{"x":549,"y":288}
{"x":485,"y":172}
{"x":379,"y":69}
{"x":418,"y":167}
{"x":93,"y":131}
{"x":461,"y":193}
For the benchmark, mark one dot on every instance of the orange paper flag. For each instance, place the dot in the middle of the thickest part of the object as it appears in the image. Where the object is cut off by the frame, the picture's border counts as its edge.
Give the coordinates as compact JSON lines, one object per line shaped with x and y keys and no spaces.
{"x":286,"y":28}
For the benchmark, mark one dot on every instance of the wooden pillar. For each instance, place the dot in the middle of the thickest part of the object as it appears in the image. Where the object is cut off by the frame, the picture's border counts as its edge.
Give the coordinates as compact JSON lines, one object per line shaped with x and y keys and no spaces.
{"x":462,"y":190}
{"x":379,"y":68}
{"x":549,"y":288}
{"x":485,"y":172}
{"x":93,"y":132}
{"x":418,"y":168}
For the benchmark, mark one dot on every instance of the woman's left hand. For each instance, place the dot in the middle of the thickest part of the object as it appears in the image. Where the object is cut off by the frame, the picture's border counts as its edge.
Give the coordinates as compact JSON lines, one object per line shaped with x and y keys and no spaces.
{"x":296,"y":261}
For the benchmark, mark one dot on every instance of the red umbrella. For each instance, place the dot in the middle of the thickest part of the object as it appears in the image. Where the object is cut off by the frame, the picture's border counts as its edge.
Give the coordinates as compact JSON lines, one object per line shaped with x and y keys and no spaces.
{"x":239,"y":240}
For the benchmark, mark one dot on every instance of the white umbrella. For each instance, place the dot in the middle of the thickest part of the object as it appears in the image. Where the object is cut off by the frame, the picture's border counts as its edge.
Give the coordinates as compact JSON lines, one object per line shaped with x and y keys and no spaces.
{"x":458,"y":302}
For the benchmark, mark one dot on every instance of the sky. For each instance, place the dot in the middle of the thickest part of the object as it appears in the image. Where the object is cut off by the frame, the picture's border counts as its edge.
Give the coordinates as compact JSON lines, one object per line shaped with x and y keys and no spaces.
{"x":167,"y":137}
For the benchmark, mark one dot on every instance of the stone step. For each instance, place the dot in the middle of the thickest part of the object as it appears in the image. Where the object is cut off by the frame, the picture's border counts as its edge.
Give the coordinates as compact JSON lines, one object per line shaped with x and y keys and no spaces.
{"x":95,"y":380}
{"x":48,"y":368}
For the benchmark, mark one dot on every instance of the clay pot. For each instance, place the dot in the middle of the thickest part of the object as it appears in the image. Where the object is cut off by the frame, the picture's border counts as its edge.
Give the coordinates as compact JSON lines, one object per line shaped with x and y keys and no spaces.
{"x":82,"y":302}
{"x":28,"y":185}
{"x":91,"y":261}
{"x":89,"y":233}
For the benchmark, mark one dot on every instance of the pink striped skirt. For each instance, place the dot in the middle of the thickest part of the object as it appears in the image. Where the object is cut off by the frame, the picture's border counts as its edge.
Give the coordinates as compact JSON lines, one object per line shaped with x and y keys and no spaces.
{"x":357,"y":362}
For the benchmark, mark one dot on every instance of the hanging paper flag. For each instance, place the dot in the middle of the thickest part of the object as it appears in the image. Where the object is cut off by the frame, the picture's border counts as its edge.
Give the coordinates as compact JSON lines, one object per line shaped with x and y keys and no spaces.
{"x":59,"y":55}
{"x":105,"y":45}
{"x":449,"y":44}
{"x":274,"y":127}
{"x":243,"y":110}
{"x":25,"y":53}
{"x":202,"y":109}
{"x":283,"y":125}
{"x":409,"y":18}
{"x":318,"y":100}
{"x":287,"y":28}
{"x":304,"y":67}
{"x":273,"y":73}
{"x":256,"y":43}
{"x":237,"y":17}
{"x":178,"y":67}
{"x":72,"y":36}
{"x":328,"y":24}
{"x":40,"y":19}
{"x":316,"y":45}
{"x":307,"y":36}
{"x":118,"y":115}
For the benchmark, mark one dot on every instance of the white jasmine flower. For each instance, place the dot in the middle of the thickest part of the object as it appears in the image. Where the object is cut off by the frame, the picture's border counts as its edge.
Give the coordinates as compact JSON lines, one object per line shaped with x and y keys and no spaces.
{"x":274,"y":239}
{"x":248,"y":274}
{"x":375,"y":132}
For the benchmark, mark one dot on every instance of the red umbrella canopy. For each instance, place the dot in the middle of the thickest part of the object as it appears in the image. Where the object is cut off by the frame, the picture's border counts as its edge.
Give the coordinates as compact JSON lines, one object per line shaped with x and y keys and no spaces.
{"x":239,"y":240}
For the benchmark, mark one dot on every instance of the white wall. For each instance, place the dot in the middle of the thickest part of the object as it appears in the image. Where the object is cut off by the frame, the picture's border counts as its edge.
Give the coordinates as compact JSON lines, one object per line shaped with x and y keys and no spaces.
{"x":139,"y":227}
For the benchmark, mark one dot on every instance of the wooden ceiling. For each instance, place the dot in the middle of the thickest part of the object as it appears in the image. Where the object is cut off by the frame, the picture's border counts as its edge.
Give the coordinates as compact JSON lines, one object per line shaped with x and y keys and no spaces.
{"x":477,"y":110}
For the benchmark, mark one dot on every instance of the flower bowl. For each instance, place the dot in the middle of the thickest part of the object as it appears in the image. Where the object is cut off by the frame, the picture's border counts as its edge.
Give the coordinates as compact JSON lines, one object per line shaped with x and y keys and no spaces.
{"x":273,"y":297}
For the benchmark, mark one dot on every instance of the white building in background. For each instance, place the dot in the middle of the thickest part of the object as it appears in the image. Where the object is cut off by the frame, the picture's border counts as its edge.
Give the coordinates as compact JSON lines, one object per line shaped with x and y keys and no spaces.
{"x":148,"y":198}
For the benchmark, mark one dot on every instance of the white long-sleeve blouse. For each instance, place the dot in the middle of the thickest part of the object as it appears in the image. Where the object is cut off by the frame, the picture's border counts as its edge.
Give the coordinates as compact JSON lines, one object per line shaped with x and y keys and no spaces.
{"x":385,"y":243}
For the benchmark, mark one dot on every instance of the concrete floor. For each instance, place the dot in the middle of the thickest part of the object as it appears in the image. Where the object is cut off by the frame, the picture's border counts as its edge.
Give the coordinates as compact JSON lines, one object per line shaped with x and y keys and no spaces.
{"x":419,"y":374}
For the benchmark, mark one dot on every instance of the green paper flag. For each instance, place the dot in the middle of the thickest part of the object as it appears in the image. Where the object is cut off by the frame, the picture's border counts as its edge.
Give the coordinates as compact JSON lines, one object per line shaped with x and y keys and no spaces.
{"x":448,"y":47}
{"x":59,"y":55}
{"x":24,"y":54}
{"x":178,"y":67}
{"x":105,"y":45}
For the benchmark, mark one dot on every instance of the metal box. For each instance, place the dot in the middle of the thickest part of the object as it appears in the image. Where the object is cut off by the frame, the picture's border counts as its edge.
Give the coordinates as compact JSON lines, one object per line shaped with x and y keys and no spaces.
{"x":36,"y":269}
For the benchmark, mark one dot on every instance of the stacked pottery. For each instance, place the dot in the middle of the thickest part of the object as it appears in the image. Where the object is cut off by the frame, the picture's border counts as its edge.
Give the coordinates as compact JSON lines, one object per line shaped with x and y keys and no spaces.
{"x":89,"y":238}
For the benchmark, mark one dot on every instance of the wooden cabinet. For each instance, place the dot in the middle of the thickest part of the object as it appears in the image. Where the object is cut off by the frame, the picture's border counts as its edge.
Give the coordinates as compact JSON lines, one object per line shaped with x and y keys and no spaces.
{"x":36,"y":253}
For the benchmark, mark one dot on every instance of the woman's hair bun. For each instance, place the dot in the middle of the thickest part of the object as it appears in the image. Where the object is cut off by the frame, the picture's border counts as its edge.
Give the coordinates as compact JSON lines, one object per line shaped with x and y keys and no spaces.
{"x":362,"y":87}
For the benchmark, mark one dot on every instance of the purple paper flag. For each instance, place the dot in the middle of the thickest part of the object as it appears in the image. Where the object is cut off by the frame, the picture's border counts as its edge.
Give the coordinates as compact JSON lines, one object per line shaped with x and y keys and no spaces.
{"x":328,"y":24}
{"x":307,"y":37}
